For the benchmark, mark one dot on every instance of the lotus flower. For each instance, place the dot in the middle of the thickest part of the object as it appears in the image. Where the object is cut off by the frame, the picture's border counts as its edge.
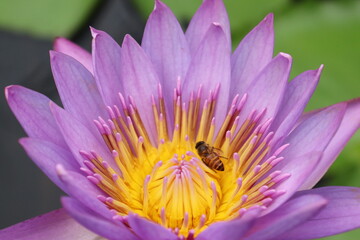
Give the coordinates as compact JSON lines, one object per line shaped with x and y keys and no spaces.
{"x":181,"y":139}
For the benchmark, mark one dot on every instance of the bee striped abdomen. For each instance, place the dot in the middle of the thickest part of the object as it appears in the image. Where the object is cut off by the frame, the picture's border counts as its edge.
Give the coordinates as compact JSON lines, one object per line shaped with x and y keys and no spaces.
{"x":209,"y":156}
{"x":213,"y":161}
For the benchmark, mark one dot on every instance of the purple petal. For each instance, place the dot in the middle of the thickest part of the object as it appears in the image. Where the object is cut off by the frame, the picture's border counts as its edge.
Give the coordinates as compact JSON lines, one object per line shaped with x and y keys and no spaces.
{"x":69,"y":48}
{"x":307,"y":143}
{"x":141,"y":81}
{"x":96,"y":223}
{"x":230,"y":230}
{"x":55,"y":225}
{"x":77,"y":89}
{"x":267,"y":90}
{"x":166,"y":45}
{"x":209,"y":67}
{"x":297,"y":95}
{"x":78,"y":137}
{"x":211,"y":11}
{"x":147,"y":230}
{"x":106,"y":57}
{"x":315,"y":133}
{"x":349,"y":125}
{"x":342,"y":213}
{"x":299,"y":168}
{"x":47,"y":155}
{"x":80,"y":188}
{"x":252,"y":55}
{"x":33,"y":112}
{"x":286,"y":217}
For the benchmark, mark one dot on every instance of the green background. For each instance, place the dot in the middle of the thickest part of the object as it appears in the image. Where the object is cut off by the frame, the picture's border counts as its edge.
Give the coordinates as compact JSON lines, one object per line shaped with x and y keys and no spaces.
{"x":313,"y":32}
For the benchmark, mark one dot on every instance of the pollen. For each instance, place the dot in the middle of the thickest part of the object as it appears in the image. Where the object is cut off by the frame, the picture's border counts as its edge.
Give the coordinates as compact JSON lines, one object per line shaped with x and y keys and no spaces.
{"x":164,"y":178}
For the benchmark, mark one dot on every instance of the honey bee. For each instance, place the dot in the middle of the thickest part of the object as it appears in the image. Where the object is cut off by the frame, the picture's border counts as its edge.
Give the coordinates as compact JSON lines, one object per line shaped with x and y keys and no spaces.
{"x":210,"y":156}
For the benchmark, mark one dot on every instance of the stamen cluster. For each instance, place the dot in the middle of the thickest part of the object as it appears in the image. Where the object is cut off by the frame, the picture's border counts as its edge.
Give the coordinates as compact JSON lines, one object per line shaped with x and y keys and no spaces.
{"x":165,"y":180}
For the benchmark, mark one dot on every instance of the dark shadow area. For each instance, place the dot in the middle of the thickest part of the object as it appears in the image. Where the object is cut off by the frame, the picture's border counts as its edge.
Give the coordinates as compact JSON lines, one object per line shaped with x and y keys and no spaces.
{"x":25,"y":191}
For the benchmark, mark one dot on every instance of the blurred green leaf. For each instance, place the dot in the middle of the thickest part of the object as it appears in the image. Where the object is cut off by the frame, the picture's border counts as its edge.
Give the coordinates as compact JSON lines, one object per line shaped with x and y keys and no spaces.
{"x":353,"y":235}
{"x":182,"y":9}
{"x":314,"y":33}
{"x":326,"y":33}
{"x":44,"y":18}
{"x":243,"y":15}
{"x":346,"y":169}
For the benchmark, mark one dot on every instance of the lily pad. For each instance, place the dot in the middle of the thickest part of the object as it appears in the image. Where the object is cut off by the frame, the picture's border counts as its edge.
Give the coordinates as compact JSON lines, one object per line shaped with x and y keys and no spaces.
{"x":242,"y":14}
{"x":327,"y":33}
{"x":353,"y":235}
{"x":324,"y":33}
{"x":44,"y":18}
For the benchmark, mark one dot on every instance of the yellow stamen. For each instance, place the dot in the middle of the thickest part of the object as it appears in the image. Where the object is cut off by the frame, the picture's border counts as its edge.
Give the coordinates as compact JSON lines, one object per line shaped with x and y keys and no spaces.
{"x":169,"y":181}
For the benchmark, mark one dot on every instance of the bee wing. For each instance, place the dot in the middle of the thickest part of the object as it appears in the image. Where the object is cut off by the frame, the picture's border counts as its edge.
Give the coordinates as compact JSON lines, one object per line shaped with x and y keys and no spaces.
{"x":219,"y":152}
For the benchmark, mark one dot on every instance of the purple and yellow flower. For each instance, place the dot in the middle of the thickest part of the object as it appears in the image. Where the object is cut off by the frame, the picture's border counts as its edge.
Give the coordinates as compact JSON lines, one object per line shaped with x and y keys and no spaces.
{"x":123,"y":145}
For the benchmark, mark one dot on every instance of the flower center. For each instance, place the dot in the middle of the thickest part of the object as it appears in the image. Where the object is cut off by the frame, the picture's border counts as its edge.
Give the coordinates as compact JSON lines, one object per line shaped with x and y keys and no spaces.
{"x":192,"y":175}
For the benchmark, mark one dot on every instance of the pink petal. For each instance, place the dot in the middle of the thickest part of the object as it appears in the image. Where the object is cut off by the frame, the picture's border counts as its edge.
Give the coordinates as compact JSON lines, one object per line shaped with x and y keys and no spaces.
{"x":349,"y":125}
{"x":342,"y":213}
{"x":267,"y":90}
{"x":166,"y":46}
{"x":140,"y":81}
{"x":77,"y":89}
{"x":252,"y":55}
{"x":148,"y":230}
{"x":33,"y":112}
{"x":80,"y":188}
{"x":286,"y":217}
{"x":106,"y":57}
{"x":96,"y":223}
{"x":79,"y":137}
{"x":211,"y":11}
{"x":315,"y":133}
{"x":307,"y":143}
{"x":73,"y":50}
{"x":47,"y":155}
{"x":297,"y":95}
{"x":55,"y":225}
{"x":299,"y":168}
{"x":209,"y":67}
{"x":230,"y":230}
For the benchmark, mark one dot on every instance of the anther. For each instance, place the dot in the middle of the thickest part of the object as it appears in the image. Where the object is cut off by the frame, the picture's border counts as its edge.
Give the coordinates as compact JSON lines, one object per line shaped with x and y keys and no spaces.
{"x":280,"y":149}
{"x":111,"y":112}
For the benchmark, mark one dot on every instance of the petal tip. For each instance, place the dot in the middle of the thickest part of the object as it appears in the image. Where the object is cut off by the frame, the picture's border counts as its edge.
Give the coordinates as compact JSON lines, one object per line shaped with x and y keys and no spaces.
{"x":58,"y":42}
{"x":216,"y":24}
{"x":158,"y":5}
{"x":216,"y":27}
{"x":284,"y":58}
{"x":8,"y":91}
{"x":60,"y":170}
{"x":320,"y":69}
{"x":94,"y":32}
{"x":285,"y":55}
{"x":213,"y":1}
{"x":22,"y":141}
{"x":269,"y":19}
{"x":52,"y":53}
{"x":11,"y":90}
{"x":53,"y":108}
{"x":318,"y":72}
{"x":128,"y":39}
